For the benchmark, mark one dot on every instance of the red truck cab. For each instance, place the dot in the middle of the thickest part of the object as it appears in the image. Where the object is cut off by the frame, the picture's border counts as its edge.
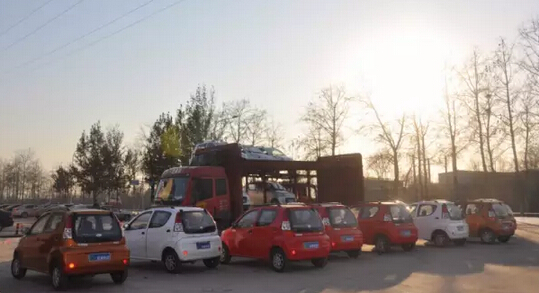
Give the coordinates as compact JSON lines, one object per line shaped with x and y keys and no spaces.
{"x":204,"y":186}
{"x":341,"y":227}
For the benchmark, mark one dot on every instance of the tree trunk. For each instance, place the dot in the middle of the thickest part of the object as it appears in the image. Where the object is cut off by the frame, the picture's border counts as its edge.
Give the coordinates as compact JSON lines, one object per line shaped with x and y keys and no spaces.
{"x":478,"y":116}
{"x":419,"y":173}
{"x":425,"y":169}
{"x":396,"y":172}
{"x":489,"y":148}
{"x":415,"y":177}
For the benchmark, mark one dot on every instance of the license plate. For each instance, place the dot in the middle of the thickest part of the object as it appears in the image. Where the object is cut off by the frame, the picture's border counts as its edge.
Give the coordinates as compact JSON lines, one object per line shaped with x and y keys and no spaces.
{"x":406,"y":233}
{"x":460,"y":228}
{"x":310,"y":245}
{"x":203,"y":245}
{"x":347,"y":238}
{"x":99,"y":257}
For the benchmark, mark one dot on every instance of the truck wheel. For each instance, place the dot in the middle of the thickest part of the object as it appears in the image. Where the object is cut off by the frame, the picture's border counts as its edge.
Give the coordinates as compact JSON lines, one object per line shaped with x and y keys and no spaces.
{"x":320,"y":262}
{"x":278,"y":260}
{"x":119,"y":277}
{"x":212,"y":263}
{"x":381,"y":244}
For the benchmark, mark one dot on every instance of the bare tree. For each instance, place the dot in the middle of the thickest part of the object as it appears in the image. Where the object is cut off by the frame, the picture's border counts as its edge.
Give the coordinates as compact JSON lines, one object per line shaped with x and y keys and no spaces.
{"x":314,"y":143}
{"x":420,"y":132}
{"x":256,"y":125}
{"x":528,"y":117}
{"x":380,"y":163}
{"x":274,"y":134}
{"x":219,"y":124}
{"x":391,"y":135}
{"x":529,"y":42}
{"x":473,"y":75}
{"x":238,"y":111}
{"x":505,"y":76}
{"x":328,"y":113}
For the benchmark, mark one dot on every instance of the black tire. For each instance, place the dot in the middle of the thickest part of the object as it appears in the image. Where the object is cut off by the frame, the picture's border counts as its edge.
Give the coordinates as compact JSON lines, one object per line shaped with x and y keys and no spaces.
{"x":353,"y":253}
{"x":320,"y":262}
{"x":440,"y":239}
{"x":225,"y":255}
{"x":381,"y":244}
{"x":17,"y":271}
{"x":504,"y":239}
{"x":487,"y":236}
{"x":59,"y":279}
{"x":408,"y":246}
{"x":119,"y":277}
{"x":460,"y":242}
{"x":212,"y":263}
{"x":24,"y":215}
{"x":171,"y":261}
{"x":278,"y":260}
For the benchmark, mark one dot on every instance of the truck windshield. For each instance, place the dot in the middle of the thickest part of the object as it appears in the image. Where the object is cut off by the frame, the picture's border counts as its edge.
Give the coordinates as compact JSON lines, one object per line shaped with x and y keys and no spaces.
{"x":400,"y":214}
{"x":197,"y":222}
{"x":305,"y":220}
{"x":342,"y":218}
{"x":96,"y":228}
{"x":172,"y":190}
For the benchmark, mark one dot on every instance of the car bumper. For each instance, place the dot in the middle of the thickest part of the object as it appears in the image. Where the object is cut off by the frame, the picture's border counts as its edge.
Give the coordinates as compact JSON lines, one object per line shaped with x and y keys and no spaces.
{"x":187,"y":248}
{"x":82,"y":266}
{"x":505,"y":232}
{"x":103,"y":268}
{"x":455,"y":234}
{"x":300,"y":253}
{"x":338,"y":245}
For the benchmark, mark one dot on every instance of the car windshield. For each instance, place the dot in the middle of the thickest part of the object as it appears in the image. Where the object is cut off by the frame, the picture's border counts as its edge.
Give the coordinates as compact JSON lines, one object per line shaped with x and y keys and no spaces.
{"x":305,"y":220}
{"x":509,"y":210}
{"x":95,"y":228}
{"x":455,"y":213}
{"x":197,"y":222}
{"x":342,"y":217}
{"x":500,"y":210}
{"x":400,"y":214}
{"x":276,"y":186}
{"x":172,"y":190}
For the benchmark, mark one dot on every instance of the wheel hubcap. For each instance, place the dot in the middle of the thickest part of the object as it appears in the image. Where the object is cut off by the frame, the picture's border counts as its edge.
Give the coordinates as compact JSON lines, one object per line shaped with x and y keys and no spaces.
{"x":223,"y":255}
{"x":15,"y":267}
{"x":278,"y":260}
{"x":170,"y":262}
{"x":487,"y":236}
{"x":440,"y":240}
{"x":381,"y":244}
{"x":56,"y":277}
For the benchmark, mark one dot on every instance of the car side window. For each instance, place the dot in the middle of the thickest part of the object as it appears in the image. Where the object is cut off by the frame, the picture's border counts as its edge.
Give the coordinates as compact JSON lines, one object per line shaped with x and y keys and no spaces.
{"x":248,"y":220}
{"x":266,"y":217}
{"x":159,"y":219}
{"x":39,"y":226}
{"x":413,"y":210}
{"x":368,"y":212}
{"x":140,"y":222}
{"x":426,"y":210}
{"x":53,"y":223}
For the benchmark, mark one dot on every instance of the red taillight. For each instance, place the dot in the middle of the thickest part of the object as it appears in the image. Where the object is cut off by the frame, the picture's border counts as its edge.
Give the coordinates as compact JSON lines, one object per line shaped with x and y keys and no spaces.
{"x":125,"y":261}
{"x":333,"y":244}
{"x":445,"y":212}
{"x":71,"y":265}
{"x":68,"y":230}
{"x":178,"y":226}
{"x":293,"y":252}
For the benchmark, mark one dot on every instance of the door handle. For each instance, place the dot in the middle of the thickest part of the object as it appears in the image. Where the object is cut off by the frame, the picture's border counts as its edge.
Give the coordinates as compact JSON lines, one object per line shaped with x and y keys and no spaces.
{"x":168,"y":231}
{"x":143,"y":233}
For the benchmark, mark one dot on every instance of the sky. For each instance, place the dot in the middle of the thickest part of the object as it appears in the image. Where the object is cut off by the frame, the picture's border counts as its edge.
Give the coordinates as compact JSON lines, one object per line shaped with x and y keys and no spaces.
{"x":278,"y":54}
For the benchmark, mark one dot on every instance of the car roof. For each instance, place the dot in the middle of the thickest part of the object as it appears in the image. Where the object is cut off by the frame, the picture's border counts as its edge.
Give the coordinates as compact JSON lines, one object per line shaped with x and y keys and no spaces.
{"x":328,"y":204}
{"x":89,"y":211}
{"x":381,"y":203}
{"x":174,"y":208}
{"x":434,"y":201}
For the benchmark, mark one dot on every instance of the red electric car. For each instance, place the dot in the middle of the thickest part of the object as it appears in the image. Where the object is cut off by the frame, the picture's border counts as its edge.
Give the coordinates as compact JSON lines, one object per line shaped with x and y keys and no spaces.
{"x":278,"y":233}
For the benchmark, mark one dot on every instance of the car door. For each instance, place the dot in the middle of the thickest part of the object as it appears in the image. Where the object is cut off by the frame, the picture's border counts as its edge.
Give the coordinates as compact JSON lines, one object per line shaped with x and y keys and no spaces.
{"x":135,"y":235}
{"x":50,"y":238}
{"x":244,"y":231}
{"x":158,"y":233}
{"x":473,"y":218}
{"x":261,"y":239}
{"x":425,"y":220}
{"x":367,"y":221}
{"x":31,"y":243}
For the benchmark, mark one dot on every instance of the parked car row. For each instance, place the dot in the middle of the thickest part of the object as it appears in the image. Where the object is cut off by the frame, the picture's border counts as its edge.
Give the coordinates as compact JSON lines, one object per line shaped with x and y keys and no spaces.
{"x":90,"y":241}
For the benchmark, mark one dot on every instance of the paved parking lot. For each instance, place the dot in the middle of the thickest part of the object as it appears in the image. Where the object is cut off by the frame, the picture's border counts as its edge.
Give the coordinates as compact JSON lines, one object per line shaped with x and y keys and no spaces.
{"x":511,"y":267}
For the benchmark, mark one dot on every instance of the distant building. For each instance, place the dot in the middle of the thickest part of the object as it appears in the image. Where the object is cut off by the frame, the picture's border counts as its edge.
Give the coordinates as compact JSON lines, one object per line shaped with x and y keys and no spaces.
{"x":380,"y":189}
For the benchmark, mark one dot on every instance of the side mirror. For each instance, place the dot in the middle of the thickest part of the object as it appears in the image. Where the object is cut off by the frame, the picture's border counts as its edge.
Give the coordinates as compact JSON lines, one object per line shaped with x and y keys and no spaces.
{"x":25,"y":230}
{"x":126,"y":226}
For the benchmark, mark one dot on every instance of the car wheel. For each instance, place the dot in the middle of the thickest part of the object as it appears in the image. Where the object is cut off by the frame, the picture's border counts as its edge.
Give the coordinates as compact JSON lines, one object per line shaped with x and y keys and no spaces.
{"x":171,"y":262}
{"x":408,"y":247}
{"x":320,"y":262}
{"x":17,"y":271}
{"x":459,"y":242}
{"x":381,"y":244}
{"x":212,"y":263}
{"x":487,"y":236}
{"x":278,"y":260}
{"x":440,"y":239}
{"x":504,"y":239}
{"x":225,"y":255}
{"x":24,"y":215}
{"x":58,"y":278}
{"x":353,"y":253}
{"x":119,"y":277}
